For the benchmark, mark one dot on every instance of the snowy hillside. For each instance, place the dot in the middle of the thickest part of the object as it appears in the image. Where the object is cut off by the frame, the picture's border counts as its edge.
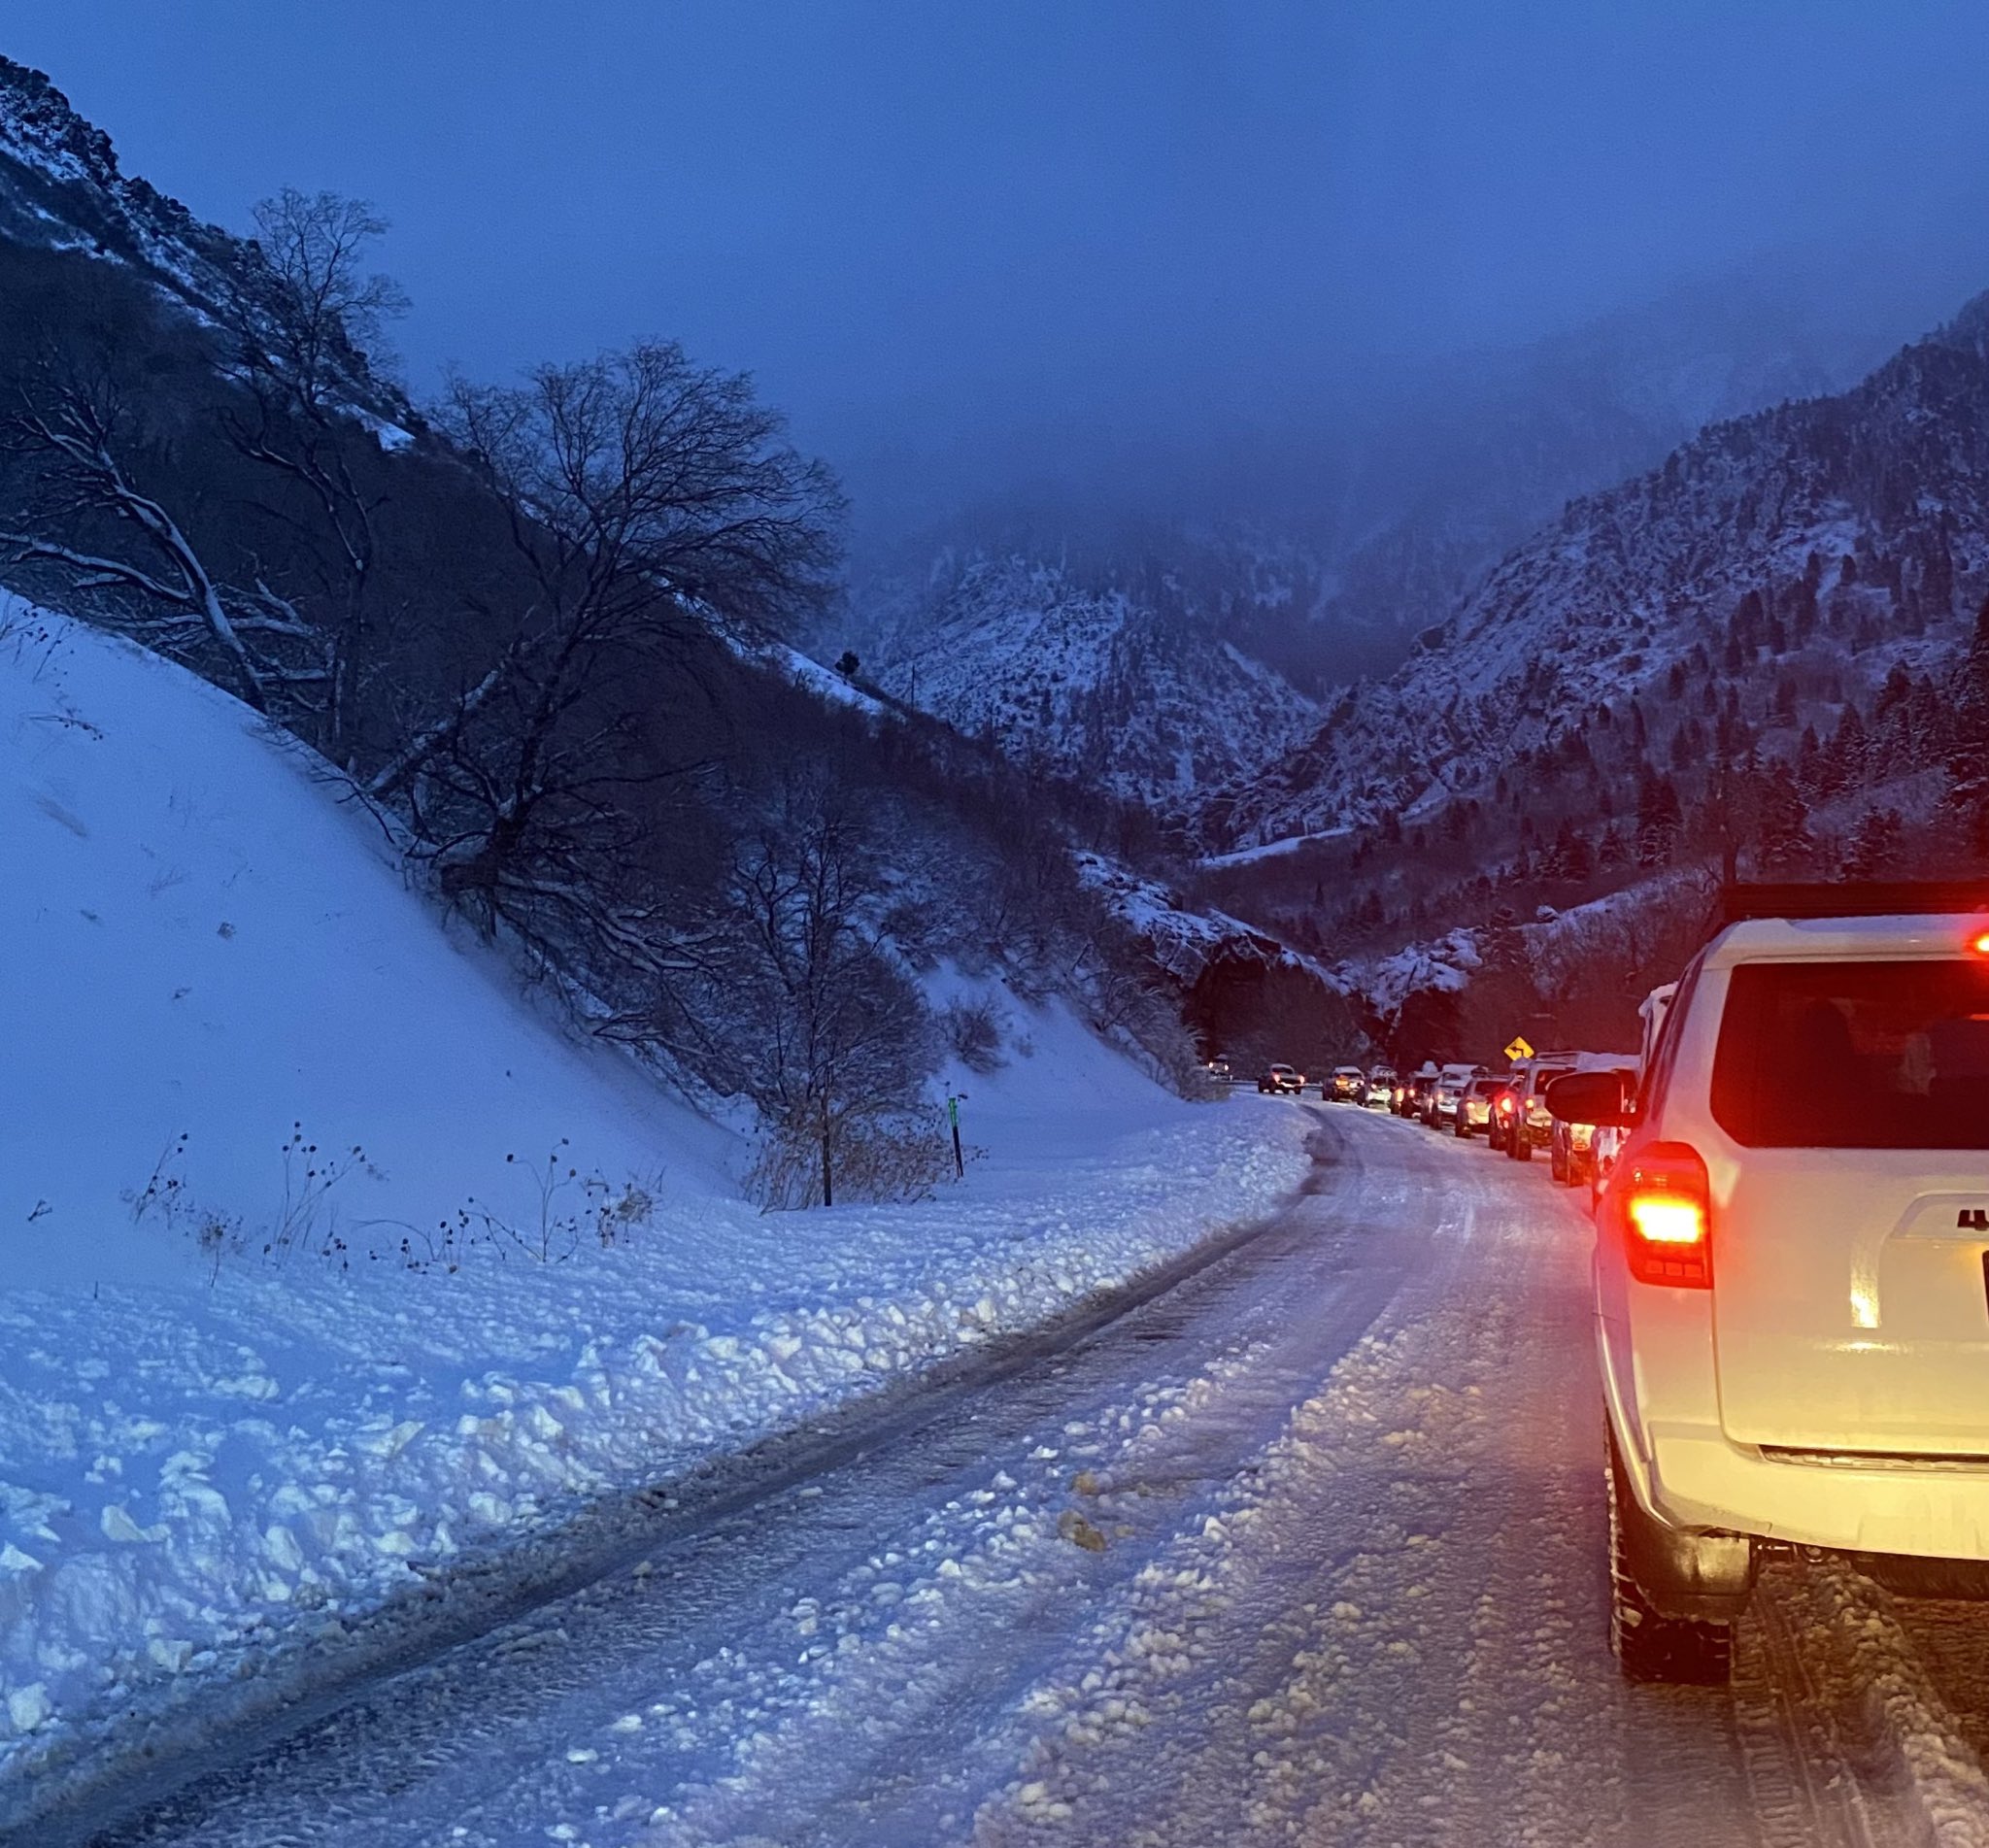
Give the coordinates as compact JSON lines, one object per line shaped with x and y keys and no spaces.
{"x":61,"y":185}
{"x":61,"y":189}
{"x":1822,"y":543}
{"x":326,"y":1261}
{"x":1127,"y":685}
{"x":222,"y":952}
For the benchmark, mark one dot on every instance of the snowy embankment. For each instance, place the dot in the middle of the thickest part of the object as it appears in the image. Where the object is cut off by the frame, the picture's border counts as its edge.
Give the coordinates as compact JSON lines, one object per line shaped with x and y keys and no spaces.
{"x":257,"y":1378}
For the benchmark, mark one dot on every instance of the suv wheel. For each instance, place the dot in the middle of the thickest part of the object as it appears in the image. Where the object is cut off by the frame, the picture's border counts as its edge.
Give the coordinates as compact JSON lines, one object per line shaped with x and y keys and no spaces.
{"x":1557,"y":1167}
{"x":1649,"y":1647}
{"x":1522,"y":1149}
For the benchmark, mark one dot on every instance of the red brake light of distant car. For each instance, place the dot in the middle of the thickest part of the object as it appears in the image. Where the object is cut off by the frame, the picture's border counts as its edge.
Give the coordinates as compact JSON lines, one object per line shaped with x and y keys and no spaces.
{"x":1507,"y":1105}
{"x":1668,"y":1217}
{"x":1980,"y":943}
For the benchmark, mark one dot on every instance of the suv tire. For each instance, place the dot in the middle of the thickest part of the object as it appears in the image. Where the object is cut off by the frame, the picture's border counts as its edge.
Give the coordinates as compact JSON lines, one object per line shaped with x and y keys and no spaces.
{"x":1557,"y":1167}
{"x":1522,"y":1149}
{"x":1648,"y":1647}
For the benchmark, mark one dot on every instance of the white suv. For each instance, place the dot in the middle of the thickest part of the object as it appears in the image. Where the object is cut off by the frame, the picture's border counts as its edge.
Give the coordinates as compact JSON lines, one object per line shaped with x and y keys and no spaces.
{"x":1444,"y":1100}
{"x":1792,"y":1261}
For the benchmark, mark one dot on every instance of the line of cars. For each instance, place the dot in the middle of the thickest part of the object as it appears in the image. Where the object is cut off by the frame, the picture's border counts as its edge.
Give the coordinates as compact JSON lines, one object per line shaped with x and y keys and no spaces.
{"x":1791,"y":1260}
{"x":1509,"y":1108}
{"x":1344,"y":1083}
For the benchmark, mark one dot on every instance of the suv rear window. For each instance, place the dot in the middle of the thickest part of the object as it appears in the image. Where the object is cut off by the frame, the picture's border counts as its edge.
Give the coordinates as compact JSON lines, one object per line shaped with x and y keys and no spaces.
{"x":1855,"y":1055}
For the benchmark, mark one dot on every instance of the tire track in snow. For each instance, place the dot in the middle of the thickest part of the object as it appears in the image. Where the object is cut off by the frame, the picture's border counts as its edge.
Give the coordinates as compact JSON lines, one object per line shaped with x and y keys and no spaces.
{"x":1443,"y":1674}
{"x":470,"y":1734}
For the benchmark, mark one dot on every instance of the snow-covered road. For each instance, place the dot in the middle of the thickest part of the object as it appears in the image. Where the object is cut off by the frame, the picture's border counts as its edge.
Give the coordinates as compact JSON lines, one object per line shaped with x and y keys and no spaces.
{"x":1306,"y":1549}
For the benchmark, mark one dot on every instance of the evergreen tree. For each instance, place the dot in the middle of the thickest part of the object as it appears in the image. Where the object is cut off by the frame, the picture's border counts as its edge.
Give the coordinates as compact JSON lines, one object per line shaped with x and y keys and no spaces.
{"x":1967,"y":756}
{"x":1802,"y":615}
{"x":1874,"y":849}
{"x":1746,"y":626}
{"x":1783,"y":836}
{"x":1848,"y":747}
{"x":1571,"y":857}
{"x":1659,"y":818}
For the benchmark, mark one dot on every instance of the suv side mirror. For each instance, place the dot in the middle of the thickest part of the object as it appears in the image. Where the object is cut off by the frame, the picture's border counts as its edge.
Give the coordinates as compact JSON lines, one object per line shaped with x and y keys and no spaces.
{"x":1595,"y":1097}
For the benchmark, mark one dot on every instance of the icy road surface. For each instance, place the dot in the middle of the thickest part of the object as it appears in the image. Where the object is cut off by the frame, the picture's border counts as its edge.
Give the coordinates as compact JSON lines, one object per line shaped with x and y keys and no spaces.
{"x":1305,"y":1550}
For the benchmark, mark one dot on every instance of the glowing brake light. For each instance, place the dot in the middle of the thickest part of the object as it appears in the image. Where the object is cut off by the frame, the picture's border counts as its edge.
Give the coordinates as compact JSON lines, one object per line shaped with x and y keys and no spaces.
{"x":1668,"y":1217}
{"x":1980,"y":943}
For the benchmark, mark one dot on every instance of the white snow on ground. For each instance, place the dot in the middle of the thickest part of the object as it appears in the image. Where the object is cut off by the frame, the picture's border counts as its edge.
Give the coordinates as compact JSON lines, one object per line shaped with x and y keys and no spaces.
{"x":207,"y":1450}
{"x":1306,"y":1550}
{"x":1286,"y":1581}
{"x":1181,"y":940}
{"x":1275,"y":850}
{"x":825,"y":682}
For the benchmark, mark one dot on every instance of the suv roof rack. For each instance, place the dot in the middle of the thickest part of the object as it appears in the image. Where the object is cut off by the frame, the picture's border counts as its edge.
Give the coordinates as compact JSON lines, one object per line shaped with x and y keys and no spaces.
{"x":1852,"y":898}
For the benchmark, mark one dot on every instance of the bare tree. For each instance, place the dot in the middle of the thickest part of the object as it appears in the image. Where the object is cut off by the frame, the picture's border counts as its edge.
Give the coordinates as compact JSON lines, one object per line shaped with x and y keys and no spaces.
{"x":642,"y":485}
{"x":310,"y":314}
{"x":308,"y":323}
{"x":90,"y":519}
{"x":826,"y":1035}
{"x":652,"y":505}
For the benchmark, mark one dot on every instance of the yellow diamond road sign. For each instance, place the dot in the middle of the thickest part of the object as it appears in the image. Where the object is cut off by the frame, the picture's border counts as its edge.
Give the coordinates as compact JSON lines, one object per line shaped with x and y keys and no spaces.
{"x":1519,"y":1049}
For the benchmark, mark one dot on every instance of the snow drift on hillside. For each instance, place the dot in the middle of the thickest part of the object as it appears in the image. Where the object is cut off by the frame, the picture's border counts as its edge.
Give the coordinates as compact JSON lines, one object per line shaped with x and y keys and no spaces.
{"x":206,"y":1450}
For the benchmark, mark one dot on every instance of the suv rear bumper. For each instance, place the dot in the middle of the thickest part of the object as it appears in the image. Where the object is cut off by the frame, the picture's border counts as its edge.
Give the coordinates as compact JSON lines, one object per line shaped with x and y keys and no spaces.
{"x":1923,"y":1508}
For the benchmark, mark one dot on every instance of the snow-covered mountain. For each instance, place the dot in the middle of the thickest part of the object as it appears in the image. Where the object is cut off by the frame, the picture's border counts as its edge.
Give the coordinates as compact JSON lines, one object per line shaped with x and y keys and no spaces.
{"x":1120,"y":676}
{"x":1173,"y":661}
{"x":1822,"y":542}
{"x":1470,"y":455}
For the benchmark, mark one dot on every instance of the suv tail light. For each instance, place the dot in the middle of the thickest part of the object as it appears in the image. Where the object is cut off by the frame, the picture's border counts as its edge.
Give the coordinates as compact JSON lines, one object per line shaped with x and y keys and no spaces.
{"x":1666,"y":1209}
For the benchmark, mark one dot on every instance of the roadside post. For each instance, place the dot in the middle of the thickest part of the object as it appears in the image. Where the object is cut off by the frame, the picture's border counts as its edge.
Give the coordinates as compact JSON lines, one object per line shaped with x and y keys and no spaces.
{"x":953,"y":1105}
